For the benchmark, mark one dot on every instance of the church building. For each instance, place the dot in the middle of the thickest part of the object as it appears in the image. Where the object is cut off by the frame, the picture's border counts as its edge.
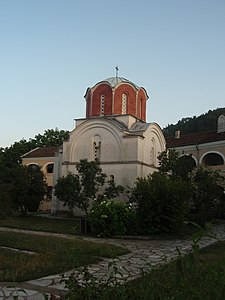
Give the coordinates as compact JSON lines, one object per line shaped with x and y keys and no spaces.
{"x":115,"y":132}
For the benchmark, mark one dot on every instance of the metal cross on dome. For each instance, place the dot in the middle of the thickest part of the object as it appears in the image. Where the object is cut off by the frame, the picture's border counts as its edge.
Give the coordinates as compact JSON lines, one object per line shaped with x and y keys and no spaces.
{"x":117,"y":71}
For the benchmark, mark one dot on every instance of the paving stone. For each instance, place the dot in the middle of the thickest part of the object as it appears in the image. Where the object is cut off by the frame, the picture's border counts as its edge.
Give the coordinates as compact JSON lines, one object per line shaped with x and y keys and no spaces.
{"x":145,"y":254}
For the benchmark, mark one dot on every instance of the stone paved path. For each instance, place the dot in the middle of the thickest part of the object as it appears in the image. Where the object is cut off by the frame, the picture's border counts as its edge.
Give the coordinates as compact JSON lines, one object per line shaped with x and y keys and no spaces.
{"x":143,"y":255}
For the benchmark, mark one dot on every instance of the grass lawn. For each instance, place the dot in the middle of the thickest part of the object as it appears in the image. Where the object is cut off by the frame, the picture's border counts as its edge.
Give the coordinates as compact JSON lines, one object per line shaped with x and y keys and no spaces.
{"x":52,"y":255}
{"x":202,"y":277}
{"x":72,"y":226}
{"x":69,"y":226}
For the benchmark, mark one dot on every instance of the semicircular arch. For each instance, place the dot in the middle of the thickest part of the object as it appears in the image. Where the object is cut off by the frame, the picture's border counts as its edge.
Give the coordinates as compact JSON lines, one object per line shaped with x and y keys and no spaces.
{"x":212,"y":158}
{"x":89,"y":129}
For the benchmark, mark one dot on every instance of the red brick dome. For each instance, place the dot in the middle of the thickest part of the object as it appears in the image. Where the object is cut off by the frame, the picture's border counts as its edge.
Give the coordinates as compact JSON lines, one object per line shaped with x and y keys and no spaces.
{"x":116,"y":96}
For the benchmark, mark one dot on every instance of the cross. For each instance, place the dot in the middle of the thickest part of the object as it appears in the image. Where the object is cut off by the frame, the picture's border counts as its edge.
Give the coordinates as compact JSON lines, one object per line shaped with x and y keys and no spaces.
{"x":117,"y":70}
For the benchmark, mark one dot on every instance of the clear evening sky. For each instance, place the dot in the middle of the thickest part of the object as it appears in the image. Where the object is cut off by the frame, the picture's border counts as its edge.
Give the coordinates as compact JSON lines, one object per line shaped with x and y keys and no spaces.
{"x":51,"y":51}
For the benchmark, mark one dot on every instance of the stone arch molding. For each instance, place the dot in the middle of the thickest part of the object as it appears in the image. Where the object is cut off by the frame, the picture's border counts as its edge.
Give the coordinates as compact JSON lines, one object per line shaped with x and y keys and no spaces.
{"x":154,"y":144}
{"x":48,"y":163}
{"x":190,"y":155}
{"x":212,"y":152}
{"x":33,"y":163}
{"x":91,"y":130}
{"x":158,"y":136}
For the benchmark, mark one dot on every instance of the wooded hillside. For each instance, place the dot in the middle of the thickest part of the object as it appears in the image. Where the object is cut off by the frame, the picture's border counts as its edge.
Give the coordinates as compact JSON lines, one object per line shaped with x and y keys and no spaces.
{"x":204,"y":122}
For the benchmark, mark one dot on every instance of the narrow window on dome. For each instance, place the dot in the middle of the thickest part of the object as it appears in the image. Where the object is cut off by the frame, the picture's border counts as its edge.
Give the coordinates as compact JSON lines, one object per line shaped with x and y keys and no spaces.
{"x":102,"y":104}
{"x":141,"y":108}
{"x":124,"y":104}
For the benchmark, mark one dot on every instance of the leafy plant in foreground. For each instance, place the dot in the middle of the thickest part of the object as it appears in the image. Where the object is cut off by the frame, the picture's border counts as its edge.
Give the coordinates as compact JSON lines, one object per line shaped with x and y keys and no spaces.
{"x":110,"y":218}
{"x":82,"y":284}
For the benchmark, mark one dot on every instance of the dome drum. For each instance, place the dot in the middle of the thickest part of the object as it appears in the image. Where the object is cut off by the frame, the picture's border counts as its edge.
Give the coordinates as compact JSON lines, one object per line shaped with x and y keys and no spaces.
{"x":116,"y":96}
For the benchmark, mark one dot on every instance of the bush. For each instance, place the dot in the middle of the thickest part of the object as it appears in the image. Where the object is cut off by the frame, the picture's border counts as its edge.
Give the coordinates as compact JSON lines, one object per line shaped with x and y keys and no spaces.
{"x":161,"y":203}
{"x":108,"y":217}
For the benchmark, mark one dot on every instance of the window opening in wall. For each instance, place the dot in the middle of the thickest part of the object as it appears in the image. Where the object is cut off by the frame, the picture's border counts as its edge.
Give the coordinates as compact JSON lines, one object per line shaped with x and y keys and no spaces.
{"x":102,"y":104}
{"x":33,"y":167}
{"x":111,"y":178}
{"x":152,"y":152}
{"x":97,"y":149}
{"x":124,"y":103}
{"x":212,"y":159}
{"x":140,"y":107}
{"x":221,"y":124}
{"x":50,"y":168}
{"x":49,"y":193}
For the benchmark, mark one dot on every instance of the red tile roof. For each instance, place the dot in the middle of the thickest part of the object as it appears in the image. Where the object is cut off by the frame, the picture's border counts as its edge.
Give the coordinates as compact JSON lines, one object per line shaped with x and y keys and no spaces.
{"x":195,"y":138}
{"x":41,"y":152}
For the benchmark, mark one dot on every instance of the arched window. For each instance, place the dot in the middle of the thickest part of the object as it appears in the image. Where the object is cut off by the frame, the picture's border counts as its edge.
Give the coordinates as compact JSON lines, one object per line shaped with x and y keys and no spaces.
{"x":50,"y":168}
{"x":188,"y":163}
{"x":124,"y":104}
{"x":140,"y":108}
{"x":96,"y":147}
{"x":212,"y":159}
{"x":102,"y":104}
{"x":111,"y":178}
{"x":221,"y":124}
{"x":152,"y":152}
{"x":33,"y":167}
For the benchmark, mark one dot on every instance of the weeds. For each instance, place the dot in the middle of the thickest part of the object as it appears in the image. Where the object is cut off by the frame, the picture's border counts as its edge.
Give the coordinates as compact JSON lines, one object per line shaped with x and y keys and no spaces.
{"x":198,"y":275}
{"x":82,"y":284}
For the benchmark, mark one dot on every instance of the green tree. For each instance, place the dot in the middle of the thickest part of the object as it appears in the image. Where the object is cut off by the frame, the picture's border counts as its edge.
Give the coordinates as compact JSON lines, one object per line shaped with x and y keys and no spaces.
{"x":208,"y":186}
{"x":91,"y":179}
{"x":171,"y":163}
{"x":205,"y":185}
{"x":67,"y":189}
{"x":79,"y":190}
{"x":12,"y":155}
{"x":28,"y":188}
{"x":112,"y":190}
{"x":37,"y":187}
{"x":161,"y":202}
{"x":50,"y":138}
{"x":15,"y":181}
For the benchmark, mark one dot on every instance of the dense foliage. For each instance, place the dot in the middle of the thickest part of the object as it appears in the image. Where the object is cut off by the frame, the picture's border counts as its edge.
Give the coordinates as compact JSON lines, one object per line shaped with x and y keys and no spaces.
{"x":20,"y":187}
{"x":79,"y":190}
{"x":109,"y":218}
{"x":161,"y":203}
{"x":68,"y":189}
{"x":178,"y":191}
{"x":208,"y":194}
{"x":204,"y":122}
{"x":50,"y":138}
{"x":29,"y":189}
{"x":179,"y":167}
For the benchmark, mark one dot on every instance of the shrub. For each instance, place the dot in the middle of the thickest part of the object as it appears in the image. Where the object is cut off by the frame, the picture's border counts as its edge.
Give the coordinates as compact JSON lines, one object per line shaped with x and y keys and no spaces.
{"x":109,"y":217}
{"x":161,"y":203}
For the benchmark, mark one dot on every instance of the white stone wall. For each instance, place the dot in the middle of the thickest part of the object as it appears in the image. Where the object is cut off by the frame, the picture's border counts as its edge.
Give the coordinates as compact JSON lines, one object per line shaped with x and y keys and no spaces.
{"x":124,"y":153}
